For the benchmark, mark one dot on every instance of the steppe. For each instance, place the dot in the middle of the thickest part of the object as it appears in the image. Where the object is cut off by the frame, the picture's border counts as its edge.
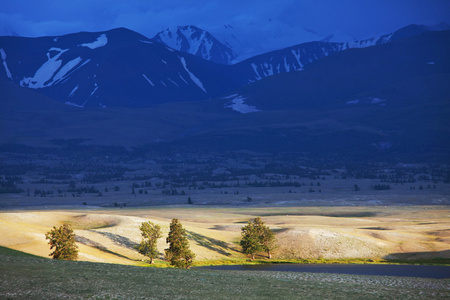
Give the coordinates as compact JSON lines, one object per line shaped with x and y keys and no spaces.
{"x":372,"y":233}
{"x":319,"y":209}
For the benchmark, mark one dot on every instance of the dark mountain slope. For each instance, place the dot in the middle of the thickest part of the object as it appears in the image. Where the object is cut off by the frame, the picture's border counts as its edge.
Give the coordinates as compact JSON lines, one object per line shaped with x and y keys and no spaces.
{"x":113,"y":68}
{"x":345,"y":76}
{"x":121,"y":68}
{"x":387,"y":101}
{"x":392,"y":98}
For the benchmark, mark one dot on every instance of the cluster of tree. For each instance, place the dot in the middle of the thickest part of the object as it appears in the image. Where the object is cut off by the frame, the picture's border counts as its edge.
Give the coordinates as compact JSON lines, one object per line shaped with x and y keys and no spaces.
{"x":9,"y":185}
{"x":257,"y":237}
{"x":85,"y":189}
{"x":172,"y":192}
{"x":381,"y":187}
{"x":42,"y":193}
{"x":104,"y":175}
{"x":62,"y":239}
{"x":271,"y":183}
{"x":178,"y":253}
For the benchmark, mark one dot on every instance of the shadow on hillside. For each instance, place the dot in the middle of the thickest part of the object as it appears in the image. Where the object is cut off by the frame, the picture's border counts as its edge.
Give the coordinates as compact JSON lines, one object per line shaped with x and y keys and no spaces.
{"x":349,"y":214}
{"x":210,"y":243}
{"x":93,"y":244}
{"x":119,"y":240}
{"x":430,"y":256}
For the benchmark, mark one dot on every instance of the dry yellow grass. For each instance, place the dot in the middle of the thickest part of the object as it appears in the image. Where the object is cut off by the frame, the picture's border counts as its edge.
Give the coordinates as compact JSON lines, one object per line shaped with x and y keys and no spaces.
{"x":110,"y":235}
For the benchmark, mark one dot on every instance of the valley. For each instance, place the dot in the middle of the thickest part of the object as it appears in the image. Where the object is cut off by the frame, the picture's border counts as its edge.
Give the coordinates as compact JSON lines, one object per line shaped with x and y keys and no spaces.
{"x":341,"y":148}
{"x":320,"y":209}
{"x":338,"y":141}
{"x":75,"y":174}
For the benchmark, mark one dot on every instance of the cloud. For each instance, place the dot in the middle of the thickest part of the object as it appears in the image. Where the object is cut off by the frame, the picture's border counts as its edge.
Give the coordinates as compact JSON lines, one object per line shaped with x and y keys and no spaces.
{"x":273,"y":22}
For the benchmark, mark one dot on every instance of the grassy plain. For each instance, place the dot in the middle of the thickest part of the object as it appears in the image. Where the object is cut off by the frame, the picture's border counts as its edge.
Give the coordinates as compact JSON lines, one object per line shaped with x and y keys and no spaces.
{"x":24,"y":276}
{"x":373,"y":233}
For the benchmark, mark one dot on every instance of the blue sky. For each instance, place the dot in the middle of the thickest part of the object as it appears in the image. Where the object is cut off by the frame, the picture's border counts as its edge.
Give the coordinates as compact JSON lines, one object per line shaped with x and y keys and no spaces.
{"x":279,"y":23}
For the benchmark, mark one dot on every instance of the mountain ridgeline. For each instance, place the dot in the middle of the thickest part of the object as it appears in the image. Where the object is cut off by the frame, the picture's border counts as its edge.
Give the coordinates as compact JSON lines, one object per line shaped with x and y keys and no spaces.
{"x":121,"y":68}
{"x":383,"y":95}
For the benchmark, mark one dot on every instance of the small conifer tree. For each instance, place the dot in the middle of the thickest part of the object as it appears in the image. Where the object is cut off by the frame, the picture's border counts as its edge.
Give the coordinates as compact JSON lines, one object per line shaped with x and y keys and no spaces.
{"x":178,"y":253}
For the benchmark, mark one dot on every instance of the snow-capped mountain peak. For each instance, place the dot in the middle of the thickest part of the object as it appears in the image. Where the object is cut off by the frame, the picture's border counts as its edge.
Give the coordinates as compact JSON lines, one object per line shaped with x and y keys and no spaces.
{"x":196,"y":41}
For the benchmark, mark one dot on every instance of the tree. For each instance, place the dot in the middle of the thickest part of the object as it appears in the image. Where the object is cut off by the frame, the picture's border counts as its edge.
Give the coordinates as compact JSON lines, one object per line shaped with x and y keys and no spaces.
{"x":178,"y":253}
{"x":150,"y":234}
{"x":267,"y":237}
{"x":63,"y":240}
{"x":250,"y":241}
{"x":257,"y":237}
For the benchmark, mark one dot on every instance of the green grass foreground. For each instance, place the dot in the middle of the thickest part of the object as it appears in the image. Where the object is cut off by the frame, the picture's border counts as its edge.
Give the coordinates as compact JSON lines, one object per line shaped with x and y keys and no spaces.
{"x":23,"y":276}
{"x":433,"y":261}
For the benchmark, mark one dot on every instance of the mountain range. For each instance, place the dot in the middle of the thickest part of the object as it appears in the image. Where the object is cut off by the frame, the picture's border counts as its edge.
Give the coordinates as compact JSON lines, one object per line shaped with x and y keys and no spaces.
{"x":121,"y":68}
{"x":383,"y":95}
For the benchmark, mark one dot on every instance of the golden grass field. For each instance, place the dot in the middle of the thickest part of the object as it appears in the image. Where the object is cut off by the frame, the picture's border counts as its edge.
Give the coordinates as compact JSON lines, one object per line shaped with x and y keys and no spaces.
{"x":329,"y":233}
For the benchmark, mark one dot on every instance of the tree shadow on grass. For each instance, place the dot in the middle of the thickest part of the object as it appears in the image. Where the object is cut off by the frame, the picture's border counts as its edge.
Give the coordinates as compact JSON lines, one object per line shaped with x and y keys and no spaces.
{"x":119,"y":240}
{"x":93,"y":244}
{"x":210,"y":243}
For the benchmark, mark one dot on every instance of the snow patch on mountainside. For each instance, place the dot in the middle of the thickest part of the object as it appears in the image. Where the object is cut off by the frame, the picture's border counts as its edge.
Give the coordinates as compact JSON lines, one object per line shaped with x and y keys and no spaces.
{"x":51,"y":71}
{"x":182,"y":78}
{"x":101,"y":41}
{"x":45,"y":72}
{"x":84,"y":103}
{"x":369,"y":42}
{"x":297,"y":55}
{"x":176,"y":84}
{"x":176,"y":42}
{"x":237,"y":104}
{"x":95,"y":89}
{"x":149,"y":81}
{"x":73,"y":91}
{"x":66,"y":68}
{"x":196,"y":41}
{"x":3,"y":54}
{"x":192,"y":76}
{"x":255,"y":69}
{"x":73,"y":104}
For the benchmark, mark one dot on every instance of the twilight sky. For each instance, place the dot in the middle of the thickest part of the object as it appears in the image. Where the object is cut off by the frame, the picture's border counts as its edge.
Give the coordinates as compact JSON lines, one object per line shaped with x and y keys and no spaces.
{"x":274,"y":23}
